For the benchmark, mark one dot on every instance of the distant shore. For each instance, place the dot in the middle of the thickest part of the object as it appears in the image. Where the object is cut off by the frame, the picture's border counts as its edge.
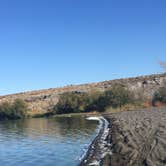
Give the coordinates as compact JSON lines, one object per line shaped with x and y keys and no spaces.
{"x":135,"y":138}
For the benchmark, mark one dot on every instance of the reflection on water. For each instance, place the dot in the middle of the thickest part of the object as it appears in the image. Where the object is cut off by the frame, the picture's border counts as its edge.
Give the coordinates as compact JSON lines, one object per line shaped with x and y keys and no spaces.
{"x":44,"y":142}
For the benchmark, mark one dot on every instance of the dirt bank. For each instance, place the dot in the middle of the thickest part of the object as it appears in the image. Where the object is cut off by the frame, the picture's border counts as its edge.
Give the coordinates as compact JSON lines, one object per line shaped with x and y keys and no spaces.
{"x":138,"y":138}
{"x":135,"y":138}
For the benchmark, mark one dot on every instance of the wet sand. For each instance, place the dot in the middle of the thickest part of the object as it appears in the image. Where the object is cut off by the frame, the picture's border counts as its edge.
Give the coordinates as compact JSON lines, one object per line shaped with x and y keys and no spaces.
{"x":138,"y":138}
{"x":100,"y":147}
{"x":135,"y":138}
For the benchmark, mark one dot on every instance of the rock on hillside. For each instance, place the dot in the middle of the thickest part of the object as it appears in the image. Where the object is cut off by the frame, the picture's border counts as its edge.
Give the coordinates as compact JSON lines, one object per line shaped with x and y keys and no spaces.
{"x":42,"y":100}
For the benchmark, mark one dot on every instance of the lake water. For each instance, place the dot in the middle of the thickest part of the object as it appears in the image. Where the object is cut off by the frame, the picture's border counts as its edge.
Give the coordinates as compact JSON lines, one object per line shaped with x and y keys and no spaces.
{"x":45,"y":142}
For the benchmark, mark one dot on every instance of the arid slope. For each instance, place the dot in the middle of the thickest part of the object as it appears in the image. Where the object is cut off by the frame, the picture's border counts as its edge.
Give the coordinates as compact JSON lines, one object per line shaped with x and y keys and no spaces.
{"x":41,"y":101}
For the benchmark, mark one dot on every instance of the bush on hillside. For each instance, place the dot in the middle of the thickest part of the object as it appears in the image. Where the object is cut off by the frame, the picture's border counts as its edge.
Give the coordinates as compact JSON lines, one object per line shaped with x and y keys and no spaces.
{"x":15,"y":110}
{"x":73,"y":102}
{"x":160,"y":95}
{"x":99,"y":103}
{"x":118,"y":96}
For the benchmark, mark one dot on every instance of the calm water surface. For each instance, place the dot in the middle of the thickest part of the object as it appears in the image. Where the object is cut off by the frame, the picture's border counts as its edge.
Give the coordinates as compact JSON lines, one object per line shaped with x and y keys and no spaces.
{"x":45,"y":142}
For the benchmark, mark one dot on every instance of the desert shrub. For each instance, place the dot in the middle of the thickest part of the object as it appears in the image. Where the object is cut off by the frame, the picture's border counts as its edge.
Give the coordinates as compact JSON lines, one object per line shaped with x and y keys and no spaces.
{"x":19,"y":108}
{"x":159,"y":95}
{"x":73,"y":102}
{"x":15,"y":110}
{"x":118,"y":96}
{"x":98,"y":103}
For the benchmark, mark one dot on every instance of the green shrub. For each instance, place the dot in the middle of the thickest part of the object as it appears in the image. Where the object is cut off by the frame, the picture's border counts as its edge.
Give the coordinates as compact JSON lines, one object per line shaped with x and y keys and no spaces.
{"x":118,"y":96}
{"x":15,"y":110}
{"x":98,"y":103}
{"x":19,"y":108}
{"x":73,"y":102}
{"x":160,"y":95}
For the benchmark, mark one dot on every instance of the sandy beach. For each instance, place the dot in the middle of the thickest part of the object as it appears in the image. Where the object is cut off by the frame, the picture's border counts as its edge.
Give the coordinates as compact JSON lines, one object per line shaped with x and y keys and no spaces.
{"x":134,"y":138}
{"x":138,"y":138}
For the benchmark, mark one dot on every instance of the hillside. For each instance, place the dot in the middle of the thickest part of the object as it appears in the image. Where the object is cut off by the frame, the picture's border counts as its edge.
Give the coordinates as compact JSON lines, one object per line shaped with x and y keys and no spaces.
{"x":42,"y":100}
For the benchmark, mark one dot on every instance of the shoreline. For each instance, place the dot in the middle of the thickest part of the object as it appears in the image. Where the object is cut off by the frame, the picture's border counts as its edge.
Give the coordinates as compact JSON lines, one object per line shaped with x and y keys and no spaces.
{"x":99,"y":148}
{"x":133,"y":138}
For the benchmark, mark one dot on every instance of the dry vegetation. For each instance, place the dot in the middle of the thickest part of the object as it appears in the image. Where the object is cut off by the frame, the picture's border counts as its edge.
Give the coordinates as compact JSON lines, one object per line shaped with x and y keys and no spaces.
{"x":43,"y":101}
{"x":16,"y":110}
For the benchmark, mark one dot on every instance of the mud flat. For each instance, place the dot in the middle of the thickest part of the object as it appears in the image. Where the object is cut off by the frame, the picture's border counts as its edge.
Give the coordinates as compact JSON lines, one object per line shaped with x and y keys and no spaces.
{"x":138,"y":138}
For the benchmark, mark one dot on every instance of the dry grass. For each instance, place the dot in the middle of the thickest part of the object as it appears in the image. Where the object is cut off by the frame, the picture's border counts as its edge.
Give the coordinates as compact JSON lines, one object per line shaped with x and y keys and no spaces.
{"x":127,"y":107}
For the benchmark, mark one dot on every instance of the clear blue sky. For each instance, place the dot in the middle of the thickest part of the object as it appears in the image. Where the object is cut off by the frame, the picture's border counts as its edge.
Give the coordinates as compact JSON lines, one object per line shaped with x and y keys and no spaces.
{"x":51,"y":43}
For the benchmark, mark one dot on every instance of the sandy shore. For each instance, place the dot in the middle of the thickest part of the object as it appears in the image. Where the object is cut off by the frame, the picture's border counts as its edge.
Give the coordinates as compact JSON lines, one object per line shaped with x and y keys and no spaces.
{"x":138,"y":138}
{"x":135,"y":138}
